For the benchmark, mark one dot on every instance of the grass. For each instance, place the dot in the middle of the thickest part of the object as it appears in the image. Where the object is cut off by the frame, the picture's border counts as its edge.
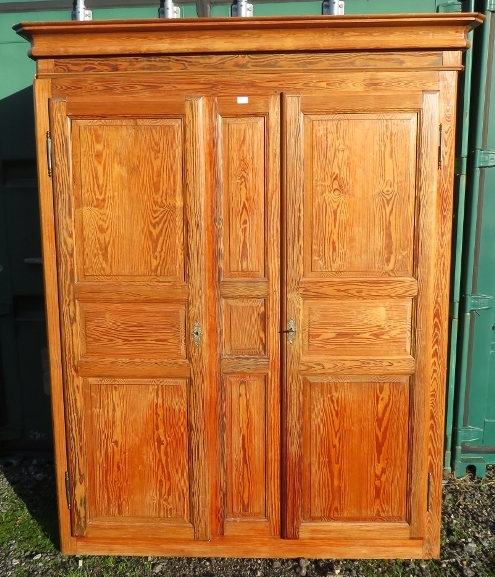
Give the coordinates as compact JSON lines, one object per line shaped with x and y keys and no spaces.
{"x":32,"y":539}
{"x":17,"y":524}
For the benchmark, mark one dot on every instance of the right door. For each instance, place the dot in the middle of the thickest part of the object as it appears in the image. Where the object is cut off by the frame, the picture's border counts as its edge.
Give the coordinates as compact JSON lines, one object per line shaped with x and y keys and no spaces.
{"x":360,"y":189}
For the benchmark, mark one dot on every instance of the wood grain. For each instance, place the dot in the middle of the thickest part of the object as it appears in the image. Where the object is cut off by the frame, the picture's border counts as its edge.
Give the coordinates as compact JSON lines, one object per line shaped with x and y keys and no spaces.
{"x":63,"y":207}
{"x":176,"y":202}
{"x":355,"y":530}
{"x":360,"y":190}
{"x":139,"y":449}
{"x":244,"y":191}
{"x":245,"y":329}
{"x":293,"y":189}
{"x":264,"y":547}
{"x":358,"y":365}
{"x":437,"y":391}
{"x":212,"y":63}
{"x":48,"y":238}
{"x":127,"y":235}
{"x":196,"y":274}
{"x":358,"y":287}
{"x":248,"y":289}
{"x":246,"y":415}
{"x":133,"y":37}
{"x":116,"y":86}
{"x":353,"y":327}
{"x":133,"y":330}
{"x":355,"y":450}
{"x":421,"y":338}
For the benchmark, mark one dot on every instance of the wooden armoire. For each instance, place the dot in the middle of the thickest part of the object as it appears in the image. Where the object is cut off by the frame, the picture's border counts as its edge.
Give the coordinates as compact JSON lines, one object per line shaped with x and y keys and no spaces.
{"x":246,"y":241}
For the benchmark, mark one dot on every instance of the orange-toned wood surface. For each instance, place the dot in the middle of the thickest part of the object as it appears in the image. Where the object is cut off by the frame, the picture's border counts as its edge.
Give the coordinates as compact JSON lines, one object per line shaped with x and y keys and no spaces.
{"x":202,"y":204}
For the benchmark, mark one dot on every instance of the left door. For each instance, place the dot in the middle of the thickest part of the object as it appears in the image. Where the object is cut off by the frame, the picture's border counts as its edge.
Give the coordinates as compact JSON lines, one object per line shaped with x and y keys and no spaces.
{"x":129,"y":202}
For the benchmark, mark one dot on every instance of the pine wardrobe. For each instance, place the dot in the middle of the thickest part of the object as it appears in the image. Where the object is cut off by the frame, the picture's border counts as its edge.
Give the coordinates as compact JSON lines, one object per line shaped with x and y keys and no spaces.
{"x":246,"y":238}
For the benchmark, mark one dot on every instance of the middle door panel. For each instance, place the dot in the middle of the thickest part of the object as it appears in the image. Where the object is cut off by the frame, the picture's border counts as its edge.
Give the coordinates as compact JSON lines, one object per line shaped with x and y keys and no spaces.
{"x":247,"y":167}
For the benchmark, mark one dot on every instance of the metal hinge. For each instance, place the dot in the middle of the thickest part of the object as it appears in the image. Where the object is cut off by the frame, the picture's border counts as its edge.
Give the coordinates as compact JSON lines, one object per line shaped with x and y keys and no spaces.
{"x":490,"y":5}
{"x":67,"y":489}
{"x":477,"y":302}
{"x":470,"y":434}
{"x":428,"y":493}
{"x":168,"y":9}
{"x":49,"y":152}
{"x":335,"y":7}
{"x":440,"y":146}
{"x":241,"y":9}
{"x":450,"y":7}
{"x":483,"y":158}
{"x":460,"y":166}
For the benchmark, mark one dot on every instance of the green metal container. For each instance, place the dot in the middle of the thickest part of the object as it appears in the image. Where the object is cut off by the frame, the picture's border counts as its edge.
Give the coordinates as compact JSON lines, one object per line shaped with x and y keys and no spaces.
{"x":472,"y":397}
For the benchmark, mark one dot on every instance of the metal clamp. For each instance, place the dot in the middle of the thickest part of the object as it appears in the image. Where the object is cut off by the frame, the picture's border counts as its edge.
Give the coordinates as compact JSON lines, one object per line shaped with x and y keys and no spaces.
{"x":332,"y":7}
{"x":241,"y":8}
{"x":168,"y":9}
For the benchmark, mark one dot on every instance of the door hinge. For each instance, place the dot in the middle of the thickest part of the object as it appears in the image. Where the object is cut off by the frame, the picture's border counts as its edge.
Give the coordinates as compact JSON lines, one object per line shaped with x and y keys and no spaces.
{"x":440,"y":146}
{"x":335,"y":7}
{"x":483,"y":158}
{"x":428,"y":493}
{"x":470,"y":434}
{"x":67,"y":489}
{"x":477,"y":302}
{"x":49,"y":152}
{"x":460,"y":166}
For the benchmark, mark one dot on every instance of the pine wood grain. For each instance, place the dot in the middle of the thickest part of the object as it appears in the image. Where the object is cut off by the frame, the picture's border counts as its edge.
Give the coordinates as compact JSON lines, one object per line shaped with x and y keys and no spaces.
{"x":116,"y":86}
{"x":261,"y":547}
{"x":73,"y":390}
{"x":358,"y":287}
{"x":133,"y":330}
{"x":421,"y":338}
{"x":252,"y":62}
{"x":248,"y":268}
{"x":246,"y":416}
{"x":437,"y":391}
{"x":127,"y":235}
{"x":175,"y":203}
{"x":132,"y":37}
{"x":356,"y":229}
{"x":138,"y":453}
{"x":355,"y":327}
{"x":355,"y":450}
{"x":48,"y":238}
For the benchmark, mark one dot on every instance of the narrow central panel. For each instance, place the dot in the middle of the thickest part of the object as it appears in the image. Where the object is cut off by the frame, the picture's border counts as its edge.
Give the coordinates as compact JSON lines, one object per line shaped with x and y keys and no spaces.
{"x":249,"y":272}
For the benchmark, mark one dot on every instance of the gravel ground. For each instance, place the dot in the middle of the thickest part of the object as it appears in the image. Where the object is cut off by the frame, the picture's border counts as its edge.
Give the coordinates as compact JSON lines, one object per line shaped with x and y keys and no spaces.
{"x":28,"y":539}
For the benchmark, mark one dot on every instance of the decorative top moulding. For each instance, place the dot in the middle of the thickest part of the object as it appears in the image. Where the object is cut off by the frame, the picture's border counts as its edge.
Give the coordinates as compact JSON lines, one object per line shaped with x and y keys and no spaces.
{"x":239,"y":35}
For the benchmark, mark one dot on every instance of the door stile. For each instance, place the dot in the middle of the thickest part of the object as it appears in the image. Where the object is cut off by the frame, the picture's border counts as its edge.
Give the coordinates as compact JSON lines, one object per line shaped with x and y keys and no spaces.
{"x":42,"y":90}
{"x":216,"y":422}
{"x":273,"y":318}
{"x":196,"y":271}
{"x":437,"y":389}
{"x":292,"y":265}
{"x":422,"y":338}
{"x":74,"y":394}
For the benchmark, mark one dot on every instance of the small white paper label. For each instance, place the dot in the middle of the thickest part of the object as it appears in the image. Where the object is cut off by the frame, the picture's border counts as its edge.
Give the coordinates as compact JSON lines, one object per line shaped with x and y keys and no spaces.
{"x":243,"y":100}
